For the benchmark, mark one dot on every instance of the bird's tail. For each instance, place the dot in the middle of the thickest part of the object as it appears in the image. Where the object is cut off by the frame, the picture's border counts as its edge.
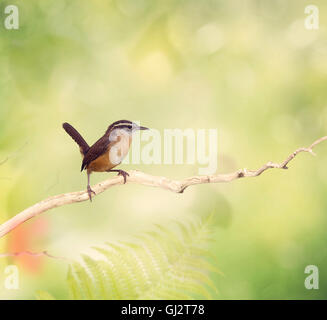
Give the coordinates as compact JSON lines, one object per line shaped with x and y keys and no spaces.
{"x":84,"y":147}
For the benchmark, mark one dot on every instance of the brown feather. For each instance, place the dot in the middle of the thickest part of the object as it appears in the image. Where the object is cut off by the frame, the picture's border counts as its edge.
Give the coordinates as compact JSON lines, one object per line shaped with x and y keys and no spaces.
{"x":84,"y":147}
{"x":98,"y":160}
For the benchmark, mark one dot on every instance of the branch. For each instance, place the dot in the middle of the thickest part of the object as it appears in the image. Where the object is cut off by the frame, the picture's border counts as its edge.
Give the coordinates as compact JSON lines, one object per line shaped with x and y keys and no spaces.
{"x":33,"y":254}
{"x":145,"y":179}
{"x":9,"y":157}
{"x":4,"y":161}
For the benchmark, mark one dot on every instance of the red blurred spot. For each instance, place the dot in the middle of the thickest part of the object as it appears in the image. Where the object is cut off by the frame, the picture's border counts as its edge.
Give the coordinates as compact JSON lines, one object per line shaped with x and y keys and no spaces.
{"x":27,"y":237}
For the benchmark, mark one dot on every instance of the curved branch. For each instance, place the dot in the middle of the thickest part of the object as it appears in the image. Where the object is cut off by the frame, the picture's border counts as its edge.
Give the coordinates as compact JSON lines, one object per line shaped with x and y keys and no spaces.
{"x":145,"y":179}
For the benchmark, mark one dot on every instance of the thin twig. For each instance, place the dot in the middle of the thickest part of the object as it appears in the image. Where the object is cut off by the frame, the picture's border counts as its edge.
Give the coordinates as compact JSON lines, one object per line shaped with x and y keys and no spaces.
{"x":33,"y":254}
{"x":4,"y":161}
{"x":13,"y":154}
{"x":145,"y":179}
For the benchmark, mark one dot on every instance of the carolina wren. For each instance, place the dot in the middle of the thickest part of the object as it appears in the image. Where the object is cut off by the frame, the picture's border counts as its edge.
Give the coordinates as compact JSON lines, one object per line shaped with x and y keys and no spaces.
{"x":108,"y":152}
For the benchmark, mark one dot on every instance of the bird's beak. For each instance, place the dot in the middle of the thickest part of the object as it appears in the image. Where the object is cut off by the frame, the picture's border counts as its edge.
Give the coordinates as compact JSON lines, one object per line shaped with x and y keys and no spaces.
{"x":142,"y":128}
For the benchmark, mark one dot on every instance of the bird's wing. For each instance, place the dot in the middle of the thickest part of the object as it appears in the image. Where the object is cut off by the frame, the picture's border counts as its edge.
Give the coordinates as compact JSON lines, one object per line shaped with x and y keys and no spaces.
{"x":97,"y":150}
{"x":100,"y":147}
{"x":84,"y":147}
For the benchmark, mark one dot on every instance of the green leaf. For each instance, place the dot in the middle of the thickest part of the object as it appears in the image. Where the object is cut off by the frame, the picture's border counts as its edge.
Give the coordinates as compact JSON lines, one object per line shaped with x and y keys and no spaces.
{"x":165,"y":263}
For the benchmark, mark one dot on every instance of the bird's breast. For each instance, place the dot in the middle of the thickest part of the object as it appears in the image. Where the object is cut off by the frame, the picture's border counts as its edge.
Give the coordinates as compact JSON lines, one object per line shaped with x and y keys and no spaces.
{"x":119,"y":149}
{"x":114,"y":155}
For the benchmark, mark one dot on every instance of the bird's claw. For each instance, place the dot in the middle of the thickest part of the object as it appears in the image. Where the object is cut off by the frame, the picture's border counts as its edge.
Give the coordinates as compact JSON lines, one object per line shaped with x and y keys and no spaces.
{"x":89,"y":192}
{"x":124,"y":174}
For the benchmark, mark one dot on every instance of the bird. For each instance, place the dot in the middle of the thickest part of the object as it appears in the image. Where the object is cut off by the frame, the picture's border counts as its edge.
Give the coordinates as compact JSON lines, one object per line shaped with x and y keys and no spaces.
{"x":106,"y":153}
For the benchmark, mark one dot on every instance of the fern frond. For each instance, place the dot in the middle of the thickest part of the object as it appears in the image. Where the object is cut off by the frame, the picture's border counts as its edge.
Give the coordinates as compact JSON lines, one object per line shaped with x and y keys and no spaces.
{"x":125,"y":273}
{"x":98,"y":275}
{"x":165,"y":263}
{"x":74,"y":292}
{"x":85,"y":281}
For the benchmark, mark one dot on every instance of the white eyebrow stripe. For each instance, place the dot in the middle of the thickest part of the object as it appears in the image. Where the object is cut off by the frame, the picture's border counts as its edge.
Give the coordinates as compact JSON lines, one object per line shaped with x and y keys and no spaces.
{"x":123,"y":127}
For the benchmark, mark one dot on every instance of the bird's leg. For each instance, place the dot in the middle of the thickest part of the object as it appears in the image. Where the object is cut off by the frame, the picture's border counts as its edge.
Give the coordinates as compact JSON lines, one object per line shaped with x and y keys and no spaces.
{"x":120,"y":173}
{"x":89,"y":190}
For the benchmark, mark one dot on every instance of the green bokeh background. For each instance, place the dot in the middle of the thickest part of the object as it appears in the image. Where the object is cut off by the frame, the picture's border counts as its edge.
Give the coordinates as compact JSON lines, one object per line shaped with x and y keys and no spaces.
{"x":248,"y":68}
